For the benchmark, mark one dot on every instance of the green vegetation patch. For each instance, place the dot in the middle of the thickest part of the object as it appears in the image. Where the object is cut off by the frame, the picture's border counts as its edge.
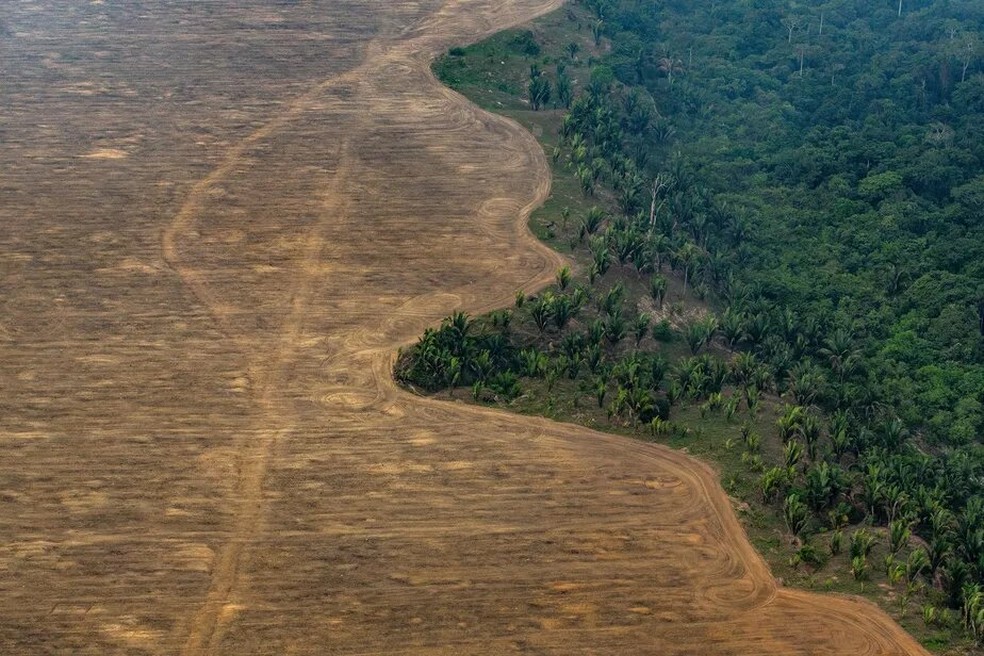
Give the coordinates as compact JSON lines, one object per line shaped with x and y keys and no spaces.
{"x":774,"y":214}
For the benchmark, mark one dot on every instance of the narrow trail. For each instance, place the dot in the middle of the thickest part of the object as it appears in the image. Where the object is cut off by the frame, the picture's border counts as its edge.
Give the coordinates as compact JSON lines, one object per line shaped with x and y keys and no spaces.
{"x":269,"y":489}
{"x":267,"y":369}
{"x":254,"y":454}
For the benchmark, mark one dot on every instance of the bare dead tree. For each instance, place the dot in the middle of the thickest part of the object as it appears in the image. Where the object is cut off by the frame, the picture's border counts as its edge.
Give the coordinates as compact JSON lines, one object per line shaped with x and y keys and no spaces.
{"x":791,"y":23}
{"x":660,"y":184}
{"x":969,"y":52}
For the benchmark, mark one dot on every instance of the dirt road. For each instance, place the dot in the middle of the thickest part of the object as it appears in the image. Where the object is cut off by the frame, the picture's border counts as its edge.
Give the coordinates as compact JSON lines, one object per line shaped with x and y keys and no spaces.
{"x":218,"y":222}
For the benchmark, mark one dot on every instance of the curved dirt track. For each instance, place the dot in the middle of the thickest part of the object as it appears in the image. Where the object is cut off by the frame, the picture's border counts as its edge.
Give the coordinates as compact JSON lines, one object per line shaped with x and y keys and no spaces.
{"x":230,"y":217}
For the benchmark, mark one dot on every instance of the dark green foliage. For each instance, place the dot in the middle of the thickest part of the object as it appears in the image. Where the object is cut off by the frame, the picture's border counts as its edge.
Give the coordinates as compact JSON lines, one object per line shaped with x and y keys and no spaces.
{"x":454,"y":355}
{"x":830,"y":205}
{"x":640,"y":327}
{"x":539,"y":90}
{"x":662,"y":332}
{"x":858,"y":203}
{"x":565,"y":91}
{"x":505,"y":384}
{"x":593,"y":220}
{"x":526,"y":43}
{"x":834,"y":200}
{"x":810,"y":556}
{"x":657,"y":289}
{"x":615,"y":326}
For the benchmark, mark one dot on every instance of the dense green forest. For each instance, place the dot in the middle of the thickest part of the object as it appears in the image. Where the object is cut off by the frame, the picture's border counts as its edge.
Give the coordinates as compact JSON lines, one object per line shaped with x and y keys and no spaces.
{"x":810,"y":178}
{"x":841,"y":177}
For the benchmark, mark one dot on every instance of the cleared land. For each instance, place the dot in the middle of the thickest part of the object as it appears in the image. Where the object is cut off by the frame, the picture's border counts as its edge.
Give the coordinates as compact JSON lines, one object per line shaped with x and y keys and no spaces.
{"x":218,"y":222}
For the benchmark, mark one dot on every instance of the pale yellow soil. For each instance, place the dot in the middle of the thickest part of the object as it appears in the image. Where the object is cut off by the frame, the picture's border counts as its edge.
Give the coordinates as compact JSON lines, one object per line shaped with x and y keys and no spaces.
{"x":219,"y":220}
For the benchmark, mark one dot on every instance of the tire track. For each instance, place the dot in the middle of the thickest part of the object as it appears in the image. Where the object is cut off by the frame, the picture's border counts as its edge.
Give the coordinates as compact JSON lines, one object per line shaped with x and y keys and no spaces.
{"x":266,"y":372}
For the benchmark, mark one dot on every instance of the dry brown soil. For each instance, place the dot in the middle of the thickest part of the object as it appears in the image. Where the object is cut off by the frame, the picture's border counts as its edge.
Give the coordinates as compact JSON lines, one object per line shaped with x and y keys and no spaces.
{"x":218,"y":222}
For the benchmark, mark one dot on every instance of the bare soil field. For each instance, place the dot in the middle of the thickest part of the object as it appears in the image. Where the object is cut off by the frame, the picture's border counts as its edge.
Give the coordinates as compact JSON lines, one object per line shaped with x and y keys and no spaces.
{"x":218,"y":222}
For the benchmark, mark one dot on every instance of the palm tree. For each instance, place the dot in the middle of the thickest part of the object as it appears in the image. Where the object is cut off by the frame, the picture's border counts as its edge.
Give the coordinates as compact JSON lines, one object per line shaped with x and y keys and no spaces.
{"x":593,"y":358}
{"x":657,"y":289}
{"x":893,"y":433}
{"x":565,"y":92}
{"x":482,"y":366}
{"x":757,"y":327}
{"x":533,"y":363}
{"x":898,"y":535}
{"x":541,"y":312}
{"x":457,"y":327}
{"x":613,"y":299}
{"x":859,"y":568}
{"x":625,"y":243}
{"x":593,"y":219}
{"x":661,"y":246}
{"x":640,"y":327}
{"x":600,"y":390}
{"x":579,"y":150}
{"x":839,"y":442}
{"x":840,"y":353}
{"x":452,"y":374}
{"x":790,"y":421}
{"x":917,"y":564}
{"x":562,"y":309}
{"x":691,"y":376}
{"x":641,"y":259}
{"x":615,"y":327}
{"x":599,"y":168}
{"x":695,"y":338}
{"x":810,"y":429}
{"x":573,"y":366}
{"x":792,"y":454}
{"x":579,"y":298}
{"x":774,"y":481}
{"x":628,"y":198}
{"x":596,"y":331}
{"x":689,"y":256}
{"x":640,"y":404}
{"x":806,"y":383}
{"x":698,"y":228}
{"x":709,"y":324}
{"x":586,"y":178}
{"x":731,"y":326}
{"x":737,"y":227}
{"x":539,"y":89}
{"x":563,"y":277}
{"x":743,"y":365}
{"x":820,"y":488}
{"x":794,"y":512}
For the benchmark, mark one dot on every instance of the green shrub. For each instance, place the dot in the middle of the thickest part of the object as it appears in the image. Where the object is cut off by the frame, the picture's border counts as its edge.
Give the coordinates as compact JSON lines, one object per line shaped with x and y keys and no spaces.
{"x":662,"y":331}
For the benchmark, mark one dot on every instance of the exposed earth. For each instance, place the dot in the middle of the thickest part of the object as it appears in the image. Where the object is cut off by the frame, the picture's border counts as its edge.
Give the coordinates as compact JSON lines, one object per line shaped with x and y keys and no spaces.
{"x":219,"y":221}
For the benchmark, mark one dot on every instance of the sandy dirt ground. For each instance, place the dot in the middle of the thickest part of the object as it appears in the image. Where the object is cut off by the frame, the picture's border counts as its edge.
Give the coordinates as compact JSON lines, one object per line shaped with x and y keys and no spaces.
{"x":218,"y":221}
